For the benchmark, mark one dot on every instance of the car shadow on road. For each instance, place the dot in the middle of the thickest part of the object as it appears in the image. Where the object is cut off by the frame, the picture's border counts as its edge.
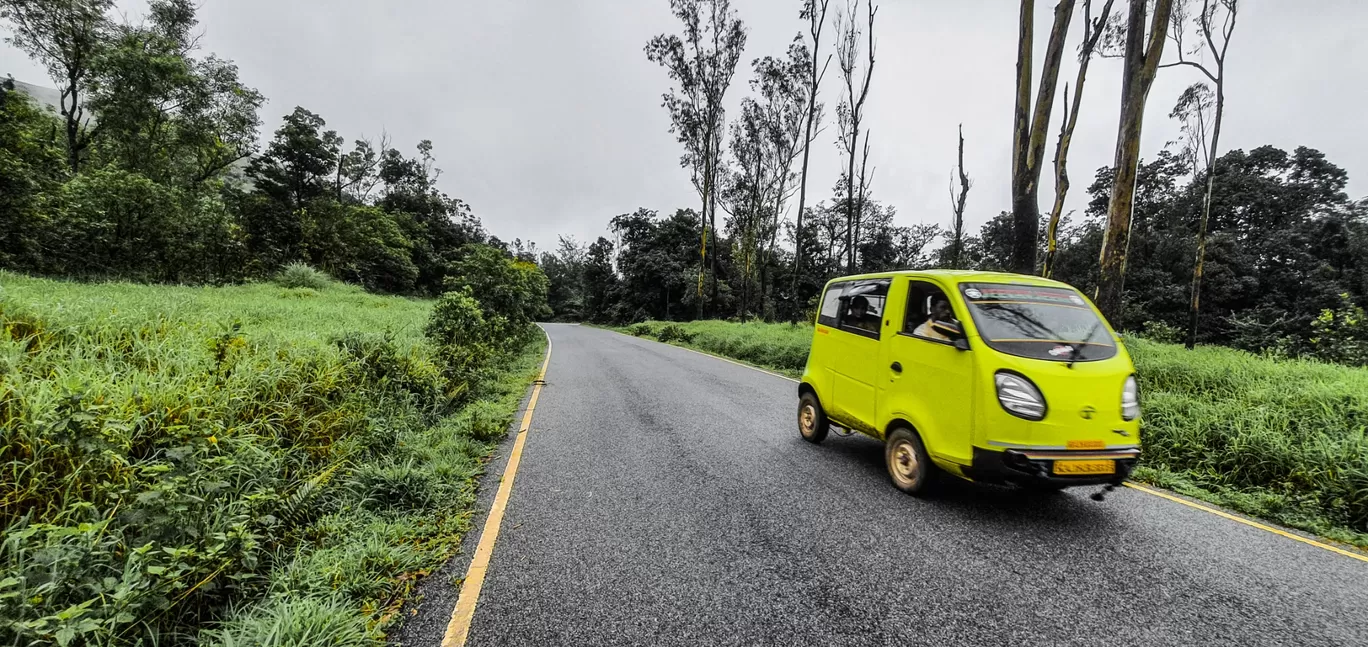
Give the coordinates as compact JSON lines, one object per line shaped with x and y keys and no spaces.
{"x":988,"y":506}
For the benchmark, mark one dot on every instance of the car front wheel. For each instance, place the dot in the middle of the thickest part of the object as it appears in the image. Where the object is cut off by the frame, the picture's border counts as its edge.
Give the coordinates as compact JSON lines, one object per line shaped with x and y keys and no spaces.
{"x":908,"y":464}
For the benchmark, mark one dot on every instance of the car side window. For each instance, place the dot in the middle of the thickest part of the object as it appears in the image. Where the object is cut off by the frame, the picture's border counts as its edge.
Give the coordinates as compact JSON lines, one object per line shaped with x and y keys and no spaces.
{"x":831,"y":305}
{"x":926,"y":303}
{"x":862,"y":307}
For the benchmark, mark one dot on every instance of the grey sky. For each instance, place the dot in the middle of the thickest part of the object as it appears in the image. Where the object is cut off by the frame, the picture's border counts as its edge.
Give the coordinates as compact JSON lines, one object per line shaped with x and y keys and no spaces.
{"x":546,"y":117}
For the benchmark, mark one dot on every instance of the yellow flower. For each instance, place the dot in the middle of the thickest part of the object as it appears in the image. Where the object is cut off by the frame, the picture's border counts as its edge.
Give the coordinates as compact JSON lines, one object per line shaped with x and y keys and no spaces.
{"x":213,"y":440}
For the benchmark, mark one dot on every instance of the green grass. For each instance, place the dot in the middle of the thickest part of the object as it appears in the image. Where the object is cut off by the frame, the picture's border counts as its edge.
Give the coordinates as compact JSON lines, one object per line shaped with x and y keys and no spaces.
{"x":1285,"y":440}
{"x":245,"y":465}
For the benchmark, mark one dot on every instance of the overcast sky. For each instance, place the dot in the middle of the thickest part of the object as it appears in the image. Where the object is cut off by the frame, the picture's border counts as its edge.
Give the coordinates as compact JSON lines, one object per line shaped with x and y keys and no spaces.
{"x":545,"y":114}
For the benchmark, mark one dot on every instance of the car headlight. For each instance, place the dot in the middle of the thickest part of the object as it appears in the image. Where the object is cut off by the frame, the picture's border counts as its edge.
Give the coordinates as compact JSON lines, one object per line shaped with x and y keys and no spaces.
{"x":1019,"y":396}
{"x":1130,"y":399}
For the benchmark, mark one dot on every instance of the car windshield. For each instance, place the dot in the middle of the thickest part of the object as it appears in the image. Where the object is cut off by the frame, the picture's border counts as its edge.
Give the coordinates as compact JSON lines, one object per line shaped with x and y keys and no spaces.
{"x":1038,"y":322}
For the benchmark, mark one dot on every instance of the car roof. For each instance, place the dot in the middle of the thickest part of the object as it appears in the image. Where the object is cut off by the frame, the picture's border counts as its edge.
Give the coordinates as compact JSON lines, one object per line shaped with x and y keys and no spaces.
{"x":960,"y":276}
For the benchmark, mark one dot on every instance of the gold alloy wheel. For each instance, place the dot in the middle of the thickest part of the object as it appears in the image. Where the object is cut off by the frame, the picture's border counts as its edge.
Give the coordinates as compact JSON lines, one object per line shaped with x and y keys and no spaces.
{"x":807,"y":421}
{"x":903,"y":463}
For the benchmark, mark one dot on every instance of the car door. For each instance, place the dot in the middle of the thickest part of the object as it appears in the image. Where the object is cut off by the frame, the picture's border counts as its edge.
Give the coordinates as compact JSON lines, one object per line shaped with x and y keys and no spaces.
{"x":934,"y":388}
{"x":856,"y":364}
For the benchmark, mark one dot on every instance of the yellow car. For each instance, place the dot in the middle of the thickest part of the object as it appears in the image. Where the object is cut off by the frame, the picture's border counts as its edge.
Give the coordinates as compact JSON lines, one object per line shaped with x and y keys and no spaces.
{"x":991,"y":377}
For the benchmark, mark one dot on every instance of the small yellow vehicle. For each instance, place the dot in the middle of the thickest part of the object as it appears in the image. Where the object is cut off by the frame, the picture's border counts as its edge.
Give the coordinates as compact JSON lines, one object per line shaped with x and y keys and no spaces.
{"x":991,"y":377}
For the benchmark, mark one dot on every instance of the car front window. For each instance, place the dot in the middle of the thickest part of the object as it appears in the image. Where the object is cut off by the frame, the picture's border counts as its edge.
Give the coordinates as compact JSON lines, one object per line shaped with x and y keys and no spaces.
{"x":1038,"y":322}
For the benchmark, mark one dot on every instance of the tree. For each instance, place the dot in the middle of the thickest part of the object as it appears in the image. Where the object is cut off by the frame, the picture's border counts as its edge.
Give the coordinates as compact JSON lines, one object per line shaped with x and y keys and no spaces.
{"x":600,"y":281}
{"x":850,"y":113}
{"x":814,"y":11}
{"x":298,"y":162}
{"x":701,"y":63}
{"x":956,"y":242}
{"x":163,"y":113}
{"x":1141,"y":54}
{"x":1092,"y":33}
{"x":1028,"y":133}
{"x":1199,"y":111}
{"x":65,"y":36}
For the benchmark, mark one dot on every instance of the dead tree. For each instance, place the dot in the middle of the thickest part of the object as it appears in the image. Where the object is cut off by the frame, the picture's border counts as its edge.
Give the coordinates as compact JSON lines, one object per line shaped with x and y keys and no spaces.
{"x":851,"y":112}
{"x":957,"y":204}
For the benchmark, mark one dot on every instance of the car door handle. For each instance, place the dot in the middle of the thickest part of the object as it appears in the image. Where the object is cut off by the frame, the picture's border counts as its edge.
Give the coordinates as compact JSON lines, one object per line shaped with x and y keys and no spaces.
{"x":897,"y":367}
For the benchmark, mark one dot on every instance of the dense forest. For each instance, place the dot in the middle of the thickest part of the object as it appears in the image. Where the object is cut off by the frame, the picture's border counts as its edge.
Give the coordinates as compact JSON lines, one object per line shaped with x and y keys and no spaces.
{"x":1269,"y":238}
{"x":153,"y":170}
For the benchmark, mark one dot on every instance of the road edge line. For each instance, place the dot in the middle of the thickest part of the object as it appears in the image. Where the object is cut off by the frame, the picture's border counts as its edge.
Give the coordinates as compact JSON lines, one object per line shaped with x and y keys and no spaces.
{"x":1247,"y":522}
{"x":706,"y":353}
{"x":458,"y":628}
{"x":1129,"y":484}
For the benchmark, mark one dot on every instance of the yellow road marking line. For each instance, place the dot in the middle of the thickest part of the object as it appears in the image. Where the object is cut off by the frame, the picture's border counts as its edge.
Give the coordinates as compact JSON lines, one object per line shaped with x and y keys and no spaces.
{"x":459,"y":627}
{"x":1170,"y":497}
{"x":1247,"y":522}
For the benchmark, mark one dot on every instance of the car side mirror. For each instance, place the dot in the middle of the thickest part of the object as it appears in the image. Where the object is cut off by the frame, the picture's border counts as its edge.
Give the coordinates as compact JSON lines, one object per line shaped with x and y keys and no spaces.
{"x":950,"y":329}
{"x":961,"y":343}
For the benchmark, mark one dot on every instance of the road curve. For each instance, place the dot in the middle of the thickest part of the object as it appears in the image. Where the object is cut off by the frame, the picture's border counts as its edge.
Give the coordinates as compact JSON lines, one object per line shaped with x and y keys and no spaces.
{"x":665,"y":498}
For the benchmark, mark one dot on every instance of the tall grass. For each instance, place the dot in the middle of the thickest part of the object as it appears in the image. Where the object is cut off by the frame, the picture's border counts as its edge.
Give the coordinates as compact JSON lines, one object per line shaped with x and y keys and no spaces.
{"x":1286,"y":440}
{"x":233,"y":465}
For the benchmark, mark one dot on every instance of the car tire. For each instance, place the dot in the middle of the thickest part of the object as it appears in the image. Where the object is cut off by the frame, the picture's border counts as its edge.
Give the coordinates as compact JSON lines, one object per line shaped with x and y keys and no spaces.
{"x":812,"y":421}
{"x":908,"y":464}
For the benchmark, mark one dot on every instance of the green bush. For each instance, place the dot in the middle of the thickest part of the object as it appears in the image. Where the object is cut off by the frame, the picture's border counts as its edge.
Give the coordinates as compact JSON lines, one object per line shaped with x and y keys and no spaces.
{"x":639,"y":330}
{"x":1162,"y":332}
{"x":296,"y":622}
{"x":300,"y":275}
{"x":674,"y":332}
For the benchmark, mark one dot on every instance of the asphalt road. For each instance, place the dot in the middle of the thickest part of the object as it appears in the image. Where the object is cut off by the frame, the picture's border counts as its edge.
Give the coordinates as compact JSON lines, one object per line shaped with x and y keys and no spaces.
{"x":665,"y":498}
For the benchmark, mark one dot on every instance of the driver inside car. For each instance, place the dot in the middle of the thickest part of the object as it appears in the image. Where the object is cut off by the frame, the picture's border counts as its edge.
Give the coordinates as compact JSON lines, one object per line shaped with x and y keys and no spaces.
{"x":940,"y":311}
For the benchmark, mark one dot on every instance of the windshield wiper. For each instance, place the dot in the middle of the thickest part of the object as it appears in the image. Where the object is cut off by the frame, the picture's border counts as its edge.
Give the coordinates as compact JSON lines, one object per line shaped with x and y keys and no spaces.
{"x":1078,"y":346}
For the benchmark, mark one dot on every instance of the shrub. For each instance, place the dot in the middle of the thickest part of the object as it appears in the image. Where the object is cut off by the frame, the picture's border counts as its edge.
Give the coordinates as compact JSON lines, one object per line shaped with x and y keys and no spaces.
{"x":1162,"y":332}
{"x":674,"y":332}
{"x":296,"y":622}
{"x":300,"y":275}
{"x":486,"y":421}
{"x":639,"y":330}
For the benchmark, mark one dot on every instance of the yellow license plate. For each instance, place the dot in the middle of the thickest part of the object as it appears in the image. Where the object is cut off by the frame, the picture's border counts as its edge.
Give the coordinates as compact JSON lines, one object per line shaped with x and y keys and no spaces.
{"x":1084,"y":468}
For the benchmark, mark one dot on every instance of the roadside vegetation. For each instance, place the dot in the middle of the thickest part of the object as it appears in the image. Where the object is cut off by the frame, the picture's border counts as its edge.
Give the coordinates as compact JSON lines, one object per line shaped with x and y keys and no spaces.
{"x":1274,"y":438}
{"x":242,"y":465}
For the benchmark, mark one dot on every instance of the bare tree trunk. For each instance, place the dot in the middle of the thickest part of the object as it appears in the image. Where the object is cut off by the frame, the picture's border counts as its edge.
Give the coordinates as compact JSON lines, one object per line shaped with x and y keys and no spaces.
{"x":1092,"y":33}
{"x":1228,"y":29}
{"x":816,"y":12}
{"x":1141,"y":64}
{"x":1028,"y":134}
{"x":957,"y":243}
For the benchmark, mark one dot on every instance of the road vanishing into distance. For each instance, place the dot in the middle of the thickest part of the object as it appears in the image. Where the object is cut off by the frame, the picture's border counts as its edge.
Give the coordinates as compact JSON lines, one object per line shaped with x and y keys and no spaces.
{"x":664,"y":497}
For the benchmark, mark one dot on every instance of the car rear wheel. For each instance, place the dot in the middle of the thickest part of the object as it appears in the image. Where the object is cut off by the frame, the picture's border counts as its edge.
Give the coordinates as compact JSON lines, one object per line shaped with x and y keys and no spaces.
{"x":812,"y":421}
{"x":908,"y":464}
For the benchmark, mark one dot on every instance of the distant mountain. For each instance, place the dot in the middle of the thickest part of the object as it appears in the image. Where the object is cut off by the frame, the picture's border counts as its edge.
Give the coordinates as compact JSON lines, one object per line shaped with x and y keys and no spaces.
{"x":45,"y":97}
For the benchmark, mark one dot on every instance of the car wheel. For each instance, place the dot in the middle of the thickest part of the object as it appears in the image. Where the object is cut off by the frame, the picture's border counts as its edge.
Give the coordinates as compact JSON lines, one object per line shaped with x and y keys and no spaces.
{"x":908,"y":464}
{"x":812,"y":421}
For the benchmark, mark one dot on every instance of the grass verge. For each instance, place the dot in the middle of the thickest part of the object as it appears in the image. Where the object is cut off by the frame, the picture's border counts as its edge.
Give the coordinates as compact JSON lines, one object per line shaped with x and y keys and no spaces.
{"x":1282,"y":440}
{"x":245,"y":465}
